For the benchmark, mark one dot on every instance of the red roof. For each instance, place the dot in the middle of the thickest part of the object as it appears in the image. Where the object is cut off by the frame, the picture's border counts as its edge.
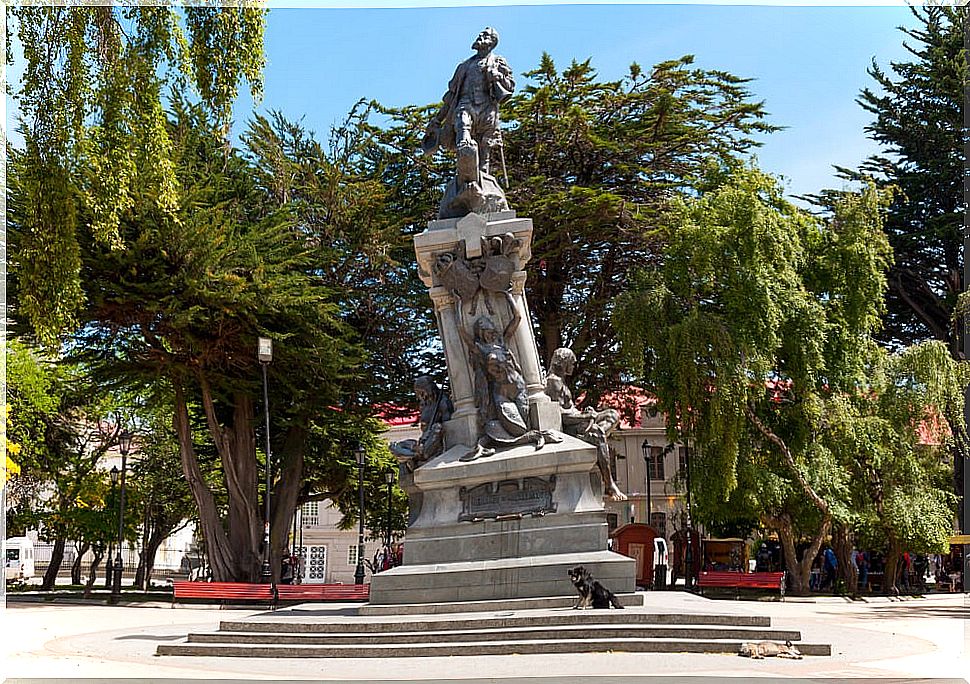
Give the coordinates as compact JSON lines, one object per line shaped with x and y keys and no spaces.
{"x":397,"y":416}
{"x":629,"y":402}
{"x":933,"y":429}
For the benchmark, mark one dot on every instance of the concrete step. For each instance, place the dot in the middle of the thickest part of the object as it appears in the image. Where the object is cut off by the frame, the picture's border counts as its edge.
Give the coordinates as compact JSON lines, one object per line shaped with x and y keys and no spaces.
{"x":627,"y":600}
{"x":631,"y":645}
{"x":585,"y":632}
{"x":584,"y":617}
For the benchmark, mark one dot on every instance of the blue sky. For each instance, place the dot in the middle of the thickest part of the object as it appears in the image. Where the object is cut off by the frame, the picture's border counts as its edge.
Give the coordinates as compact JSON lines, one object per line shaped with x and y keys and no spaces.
{"x":809,"y":63}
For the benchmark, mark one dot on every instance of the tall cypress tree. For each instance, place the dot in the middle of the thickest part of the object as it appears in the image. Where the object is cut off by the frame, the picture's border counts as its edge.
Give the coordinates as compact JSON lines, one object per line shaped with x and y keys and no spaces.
{"x":918,"y":110}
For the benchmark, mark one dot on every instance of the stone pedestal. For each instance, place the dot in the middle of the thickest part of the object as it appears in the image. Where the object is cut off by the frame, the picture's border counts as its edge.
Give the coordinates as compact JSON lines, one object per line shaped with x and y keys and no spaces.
{"x":509,"y":525}
{"x":505,"y":527}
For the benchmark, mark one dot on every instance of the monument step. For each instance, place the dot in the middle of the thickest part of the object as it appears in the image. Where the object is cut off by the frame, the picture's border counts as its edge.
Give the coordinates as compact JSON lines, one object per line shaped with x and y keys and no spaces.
{"x":585,"y":632}
{"x":450,"y":622}
{"x":627,"y":600}
{"x":629,"y":645}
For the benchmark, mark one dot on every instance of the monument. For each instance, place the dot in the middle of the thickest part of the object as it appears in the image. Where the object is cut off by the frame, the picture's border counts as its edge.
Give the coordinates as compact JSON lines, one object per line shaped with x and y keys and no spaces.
{"x":504,"y":500}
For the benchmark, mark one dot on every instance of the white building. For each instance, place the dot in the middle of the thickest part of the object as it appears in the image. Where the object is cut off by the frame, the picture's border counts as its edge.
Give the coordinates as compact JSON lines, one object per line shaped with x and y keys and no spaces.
{"x":667,"y":474}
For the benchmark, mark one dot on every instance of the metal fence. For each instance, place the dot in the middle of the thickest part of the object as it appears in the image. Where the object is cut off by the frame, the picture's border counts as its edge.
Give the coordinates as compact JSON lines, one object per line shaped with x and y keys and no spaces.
{"x":165,"y":559}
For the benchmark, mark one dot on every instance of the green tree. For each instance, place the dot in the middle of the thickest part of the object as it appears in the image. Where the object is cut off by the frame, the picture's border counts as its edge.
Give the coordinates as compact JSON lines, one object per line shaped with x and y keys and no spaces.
{"x":919,"y":120}
{"x":157,"y":492}
{"x":67,"y":426}
{"x":185,"y":302}
{"x":179,"y":311}
{"x":92,"y":115}
{"x":346,"y":197}
{"x":358,"y":198}
{"x":758,"y":317}
{"x":895,"y":441}
{"x":594,"y":164}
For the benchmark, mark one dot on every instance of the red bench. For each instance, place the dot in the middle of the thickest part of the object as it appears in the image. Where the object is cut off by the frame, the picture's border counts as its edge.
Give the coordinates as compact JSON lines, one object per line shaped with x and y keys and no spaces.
{"x":774,"y":581}
{"x":223,"y":591}
{"x":227,"y":592}
{"x":323,"y":592}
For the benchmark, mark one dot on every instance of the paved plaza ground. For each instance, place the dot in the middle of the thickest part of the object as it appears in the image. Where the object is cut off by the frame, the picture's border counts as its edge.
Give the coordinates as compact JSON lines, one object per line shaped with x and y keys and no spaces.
{"x":881,"y":638}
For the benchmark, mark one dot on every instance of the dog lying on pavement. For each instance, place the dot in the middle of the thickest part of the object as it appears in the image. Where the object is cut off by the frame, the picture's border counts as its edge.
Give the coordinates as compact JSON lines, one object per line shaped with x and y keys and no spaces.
{"x":767,"y":649}
{"x":592,"y":594}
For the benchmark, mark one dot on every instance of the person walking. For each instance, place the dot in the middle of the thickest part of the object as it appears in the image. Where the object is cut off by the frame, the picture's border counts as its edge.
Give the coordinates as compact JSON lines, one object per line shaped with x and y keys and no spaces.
{"x":906,"y":565}
{"x":830,"y":564}
{"x":862,"y":560}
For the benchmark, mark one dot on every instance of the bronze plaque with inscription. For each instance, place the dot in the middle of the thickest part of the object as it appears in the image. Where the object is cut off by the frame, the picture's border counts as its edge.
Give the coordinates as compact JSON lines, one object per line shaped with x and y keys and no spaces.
{"x":525,"y":496}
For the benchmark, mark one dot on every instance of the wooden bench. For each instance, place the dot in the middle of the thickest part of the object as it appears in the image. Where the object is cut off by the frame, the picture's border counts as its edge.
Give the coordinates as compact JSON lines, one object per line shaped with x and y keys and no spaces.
{"x":323,"y":592}
{"x":226,"y":592}
{"x":774,"y":581}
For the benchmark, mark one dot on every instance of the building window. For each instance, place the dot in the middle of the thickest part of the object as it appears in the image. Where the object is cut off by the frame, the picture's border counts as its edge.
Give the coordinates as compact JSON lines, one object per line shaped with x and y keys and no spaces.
{"x":314,"y":559}
{"x":612,"y":521}
{"x":682,"y":460}
{"x":656,"y":463}
{"x":352,"y":555}
{"x":311,"y":513}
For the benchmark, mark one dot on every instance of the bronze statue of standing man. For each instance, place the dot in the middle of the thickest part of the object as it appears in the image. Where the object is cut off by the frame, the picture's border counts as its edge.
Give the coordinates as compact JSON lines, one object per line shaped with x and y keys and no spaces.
{"x":468,"y":123}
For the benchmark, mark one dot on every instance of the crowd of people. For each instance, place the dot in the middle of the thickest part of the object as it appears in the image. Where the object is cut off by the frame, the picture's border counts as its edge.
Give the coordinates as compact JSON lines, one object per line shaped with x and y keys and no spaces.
{"x":388,"y":557}
{"x":913,"y":573}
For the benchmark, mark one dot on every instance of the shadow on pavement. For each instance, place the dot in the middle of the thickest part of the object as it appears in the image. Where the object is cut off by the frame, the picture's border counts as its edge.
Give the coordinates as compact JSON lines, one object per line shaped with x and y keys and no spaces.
{"x":150,"y":637}
{"x":908,"y":610}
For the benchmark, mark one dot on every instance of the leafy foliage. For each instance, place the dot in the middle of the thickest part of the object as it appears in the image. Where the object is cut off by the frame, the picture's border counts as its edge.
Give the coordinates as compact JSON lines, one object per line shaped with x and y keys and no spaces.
{"x":894,"y":443}
{"x":594,"y":164}
{"x":752,"y":333}
{"x":66,"y":427}
{"x":95,"y":129}
{"x":347,"y":199}
{"x":918,"y":118}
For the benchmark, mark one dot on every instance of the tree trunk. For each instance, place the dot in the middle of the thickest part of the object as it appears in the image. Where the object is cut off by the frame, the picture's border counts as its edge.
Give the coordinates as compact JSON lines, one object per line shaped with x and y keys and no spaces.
{"x":148,"y":561}
{"x":800,"y":569}
{"x":145,"y":530}
{"x":76,"y":566}
{"x":219,"y":552}
{"x":57,"y":557}
{"x":286,"y":494}
{"x":893,"y":558}
{"x":93,"y":574}
{"x":160,"y":530}
{"x":240,"y":469}
{"x":843,"y":544}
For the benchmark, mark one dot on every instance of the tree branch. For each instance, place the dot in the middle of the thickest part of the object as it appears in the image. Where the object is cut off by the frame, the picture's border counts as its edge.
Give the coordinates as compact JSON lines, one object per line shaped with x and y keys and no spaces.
{"x":819,"y":502}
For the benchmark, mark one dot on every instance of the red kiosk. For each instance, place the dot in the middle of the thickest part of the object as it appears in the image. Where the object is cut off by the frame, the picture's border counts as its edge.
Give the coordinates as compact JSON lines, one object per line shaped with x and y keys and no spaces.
{"x":635,"y":540}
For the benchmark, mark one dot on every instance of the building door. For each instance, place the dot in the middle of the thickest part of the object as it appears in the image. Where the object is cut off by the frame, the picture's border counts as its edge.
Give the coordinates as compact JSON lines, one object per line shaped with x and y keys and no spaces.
{"x":316,"y":564}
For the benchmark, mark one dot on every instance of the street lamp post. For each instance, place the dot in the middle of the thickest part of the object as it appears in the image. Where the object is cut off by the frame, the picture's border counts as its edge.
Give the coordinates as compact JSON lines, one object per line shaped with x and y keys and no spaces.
{"x":264,"y":352}
{"x":109,"y":564}
{"x":648,"y":461}
{"x":689,"y":555}
{"x":389,"y":479}
{"x":124,"y":445}
{"x":964,"y":483}
{"x":359,"y":573}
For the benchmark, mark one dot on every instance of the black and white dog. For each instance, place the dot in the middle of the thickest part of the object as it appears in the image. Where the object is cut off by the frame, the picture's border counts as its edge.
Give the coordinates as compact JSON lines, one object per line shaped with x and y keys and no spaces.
{"x":592,"y":594}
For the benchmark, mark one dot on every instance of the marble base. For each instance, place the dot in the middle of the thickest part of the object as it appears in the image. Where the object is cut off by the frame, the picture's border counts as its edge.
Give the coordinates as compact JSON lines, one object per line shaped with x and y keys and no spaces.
{"x":515,"y":503}
{"x":506,"y":526}
{"x":505,"y":578}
